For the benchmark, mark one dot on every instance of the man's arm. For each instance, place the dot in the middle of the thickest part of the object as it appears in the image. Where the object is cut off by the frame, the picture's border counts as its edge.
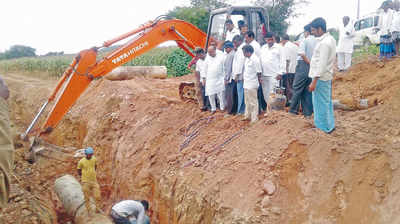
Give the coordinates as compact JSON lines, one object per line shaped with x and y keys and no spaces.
{"x":287,"y":66}
{"x":228,"y":67}
{"x":305,"y":59}
{"x":258,"y":67}
{"x":203,"y":72}
{"x":140,"y":219}
{"x":322,"y":65}
{"x":313,"y":84}
{"x":302,"y":51}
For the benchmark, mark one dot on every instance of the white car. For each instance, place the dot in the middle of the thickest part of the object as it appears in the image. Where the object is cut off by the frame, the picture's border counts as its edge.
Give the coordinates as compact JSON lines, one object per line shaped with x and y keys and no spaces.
{"x":366,"y":30}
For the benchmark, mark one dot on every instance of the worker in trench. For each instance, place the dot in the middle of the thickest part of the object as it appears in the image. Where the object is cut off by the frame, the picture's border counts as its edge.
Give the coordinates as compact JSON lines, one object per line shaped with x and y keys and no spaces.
{"x":130,"y":212}
{"x":6,"y":146}
{"x":87,"y":171}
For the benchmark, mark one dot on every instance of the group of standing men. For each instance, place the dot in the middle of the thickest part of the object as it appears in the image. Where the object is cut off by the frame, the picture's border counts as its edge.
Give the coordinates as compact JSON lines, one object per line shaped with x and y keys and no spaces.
{"x":389,"y":29}
{"x":242,"y":74}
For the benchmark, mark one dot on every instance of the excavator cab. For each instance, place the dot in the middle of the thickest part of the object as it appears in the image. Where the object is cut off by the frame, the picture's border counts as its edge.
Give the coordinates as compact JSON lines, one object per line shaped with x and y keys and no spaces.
{"x":256,"y":19}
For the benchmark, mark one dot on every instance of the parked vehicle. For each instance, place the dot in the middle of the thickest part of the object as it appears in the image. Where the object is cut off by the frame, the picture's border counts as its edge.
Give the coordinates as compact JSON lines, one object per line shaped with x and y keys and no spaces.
{"x":366,"y":30}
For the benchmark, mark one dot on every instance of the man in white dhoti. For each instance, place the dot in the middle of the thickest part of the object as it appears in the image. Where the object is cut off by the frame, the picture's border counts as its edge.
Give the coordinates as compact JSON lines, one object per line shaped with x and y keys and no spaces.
{"x":214,"y":78}
{"x":345,"y":45}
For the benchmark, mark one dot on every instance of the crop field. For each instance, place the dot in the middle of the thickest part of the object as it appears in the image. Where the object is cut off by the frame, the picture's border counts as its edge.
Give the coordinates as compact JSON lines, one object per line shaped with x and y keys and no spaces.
{"x":54,"y":66}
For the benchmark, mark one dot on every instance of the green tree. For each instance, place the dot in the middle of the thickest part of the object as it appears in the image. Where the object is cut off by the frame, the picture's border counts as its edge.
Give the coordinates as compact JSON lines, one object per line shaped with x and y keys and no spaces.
{"x":279,"y":12}
{"x":19,"y":51}
{"x":334,"y":32}
{"x":196,"y":16}
{"x":209,"y":4}
{"x":198,"y":13}
{"x":177,"y":63}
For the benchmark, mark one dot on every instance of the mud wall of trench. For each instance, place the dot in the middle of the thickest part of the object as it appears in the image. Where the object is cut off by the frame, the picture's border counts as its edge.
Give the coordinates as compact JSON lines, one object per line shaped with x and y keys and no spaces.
{"x":197,"y":168}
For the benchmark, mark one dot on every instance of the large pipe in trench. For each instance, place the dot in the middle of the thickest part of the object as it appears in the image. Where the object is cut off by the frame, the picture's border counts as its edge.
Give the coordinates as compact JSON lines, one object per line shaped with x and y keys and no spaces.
{"x":69,"y":191}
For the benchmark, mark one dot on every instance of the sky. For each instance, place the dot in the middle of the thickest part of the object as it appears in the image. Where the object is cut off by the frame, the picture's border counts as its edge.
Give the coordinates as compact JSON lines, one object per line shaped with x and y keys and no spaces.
{"x":74,"y":25}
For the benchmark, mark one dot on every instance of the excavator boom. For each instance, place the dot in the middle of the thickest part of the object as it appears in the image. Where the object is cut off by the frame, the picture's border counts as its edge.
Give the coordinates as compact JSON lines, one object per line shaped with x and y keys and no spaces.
{"x":85,"y":68}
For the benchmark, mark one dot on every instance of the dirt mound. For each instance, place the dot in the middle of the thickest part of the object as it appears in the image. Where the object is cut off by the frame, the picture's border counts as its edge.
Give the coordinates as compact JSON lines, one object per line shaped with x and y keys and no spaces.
{"x":195,"y":167}
{"x":375,"y":81}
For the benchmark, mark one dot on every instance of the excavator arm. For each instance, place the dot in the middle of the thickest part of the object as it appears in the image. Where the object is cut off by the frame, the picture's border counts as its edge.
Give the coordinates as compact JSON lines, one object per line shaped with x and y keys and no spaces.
{"x":85,"y":67}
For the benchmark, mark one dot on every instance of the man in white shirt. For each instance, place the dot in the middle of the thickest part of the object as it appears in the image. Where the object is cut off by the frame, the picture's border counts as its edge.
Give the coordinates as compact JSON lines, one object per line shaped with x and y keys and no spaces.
{"x":251,"y":75}
{"x":130,"y":212}
{"x":396,"y":27}
{"x":231,"y":30}
{"x":321,"y":72}
{"x":250,"y":39}
{"x":199,"y":74}
{"x":237,"y":70}
{"x":271,"y":63}
{"x":301,"y":94}
{"x":290,"y":61}
{"x":345,"y":45}
{"x":214,"y":78}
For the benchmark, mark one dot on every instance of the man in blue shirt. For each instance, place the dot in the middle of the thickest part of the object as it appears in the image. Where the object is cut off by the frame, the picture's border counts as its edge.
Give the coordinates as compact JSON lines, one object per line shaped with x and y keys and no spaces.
{"x":301,"y":94}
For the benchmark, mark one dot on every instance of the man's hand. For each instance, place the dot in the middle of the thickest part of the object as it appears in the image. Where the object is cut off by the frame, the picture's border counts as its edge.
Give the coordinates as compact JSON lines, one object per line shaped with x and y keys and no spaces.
{"x":313,"y":85}
{"x":279,"y":77}
{"x":259,"y":78}
{"x":236,"y":78}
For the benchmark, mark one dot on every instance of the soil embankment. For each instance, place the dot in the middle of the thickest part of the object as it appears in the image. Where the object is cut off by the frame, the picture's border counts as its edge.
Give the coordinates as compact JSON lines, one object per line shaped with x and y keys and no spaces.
{"x":195,"y":167}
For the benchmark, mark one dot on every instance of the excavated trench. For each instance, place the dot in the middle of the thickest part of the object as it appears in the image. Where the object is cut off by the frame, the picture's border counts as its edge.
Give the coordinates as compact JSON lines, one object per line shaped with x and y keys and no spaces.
{"x":196,"y":167}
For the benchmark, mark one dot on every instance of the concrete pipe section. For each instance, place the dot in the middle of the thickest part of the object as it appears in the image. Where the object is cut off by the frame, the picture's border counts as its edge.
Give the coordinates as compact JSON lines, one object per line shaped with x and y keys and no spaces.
{"x":131,"y":72}
{"x":69,"y":191}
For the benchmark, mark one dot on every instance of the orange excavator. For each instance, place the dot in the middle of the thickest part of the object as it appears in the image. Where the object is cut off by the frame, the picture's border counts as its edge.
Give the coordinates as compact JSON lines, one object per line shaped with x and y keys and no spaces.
{"x":85,"y":68}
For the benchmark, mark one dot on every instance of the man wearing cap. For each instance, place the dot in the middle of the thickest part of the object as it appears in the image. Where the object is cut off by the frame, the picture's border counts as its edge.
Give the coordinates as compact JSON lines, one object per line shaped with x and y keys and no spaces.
{"x":87,"y":171}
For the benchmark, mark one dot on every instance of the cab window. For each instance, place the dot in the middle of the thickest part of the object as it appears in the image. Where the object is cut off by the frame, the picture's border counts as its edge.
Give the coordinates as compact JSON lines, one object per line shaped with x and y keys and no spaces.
{"x":376,"y":21}
{"x":258,"y":27}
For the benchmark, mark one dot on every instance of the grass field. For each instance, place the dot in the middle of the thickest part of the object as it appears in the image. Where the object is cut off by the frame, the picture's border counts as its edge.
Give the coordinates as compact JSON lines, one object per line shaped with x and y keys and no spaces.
{"x":364,"y":52}
{"x":54,"y":66}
